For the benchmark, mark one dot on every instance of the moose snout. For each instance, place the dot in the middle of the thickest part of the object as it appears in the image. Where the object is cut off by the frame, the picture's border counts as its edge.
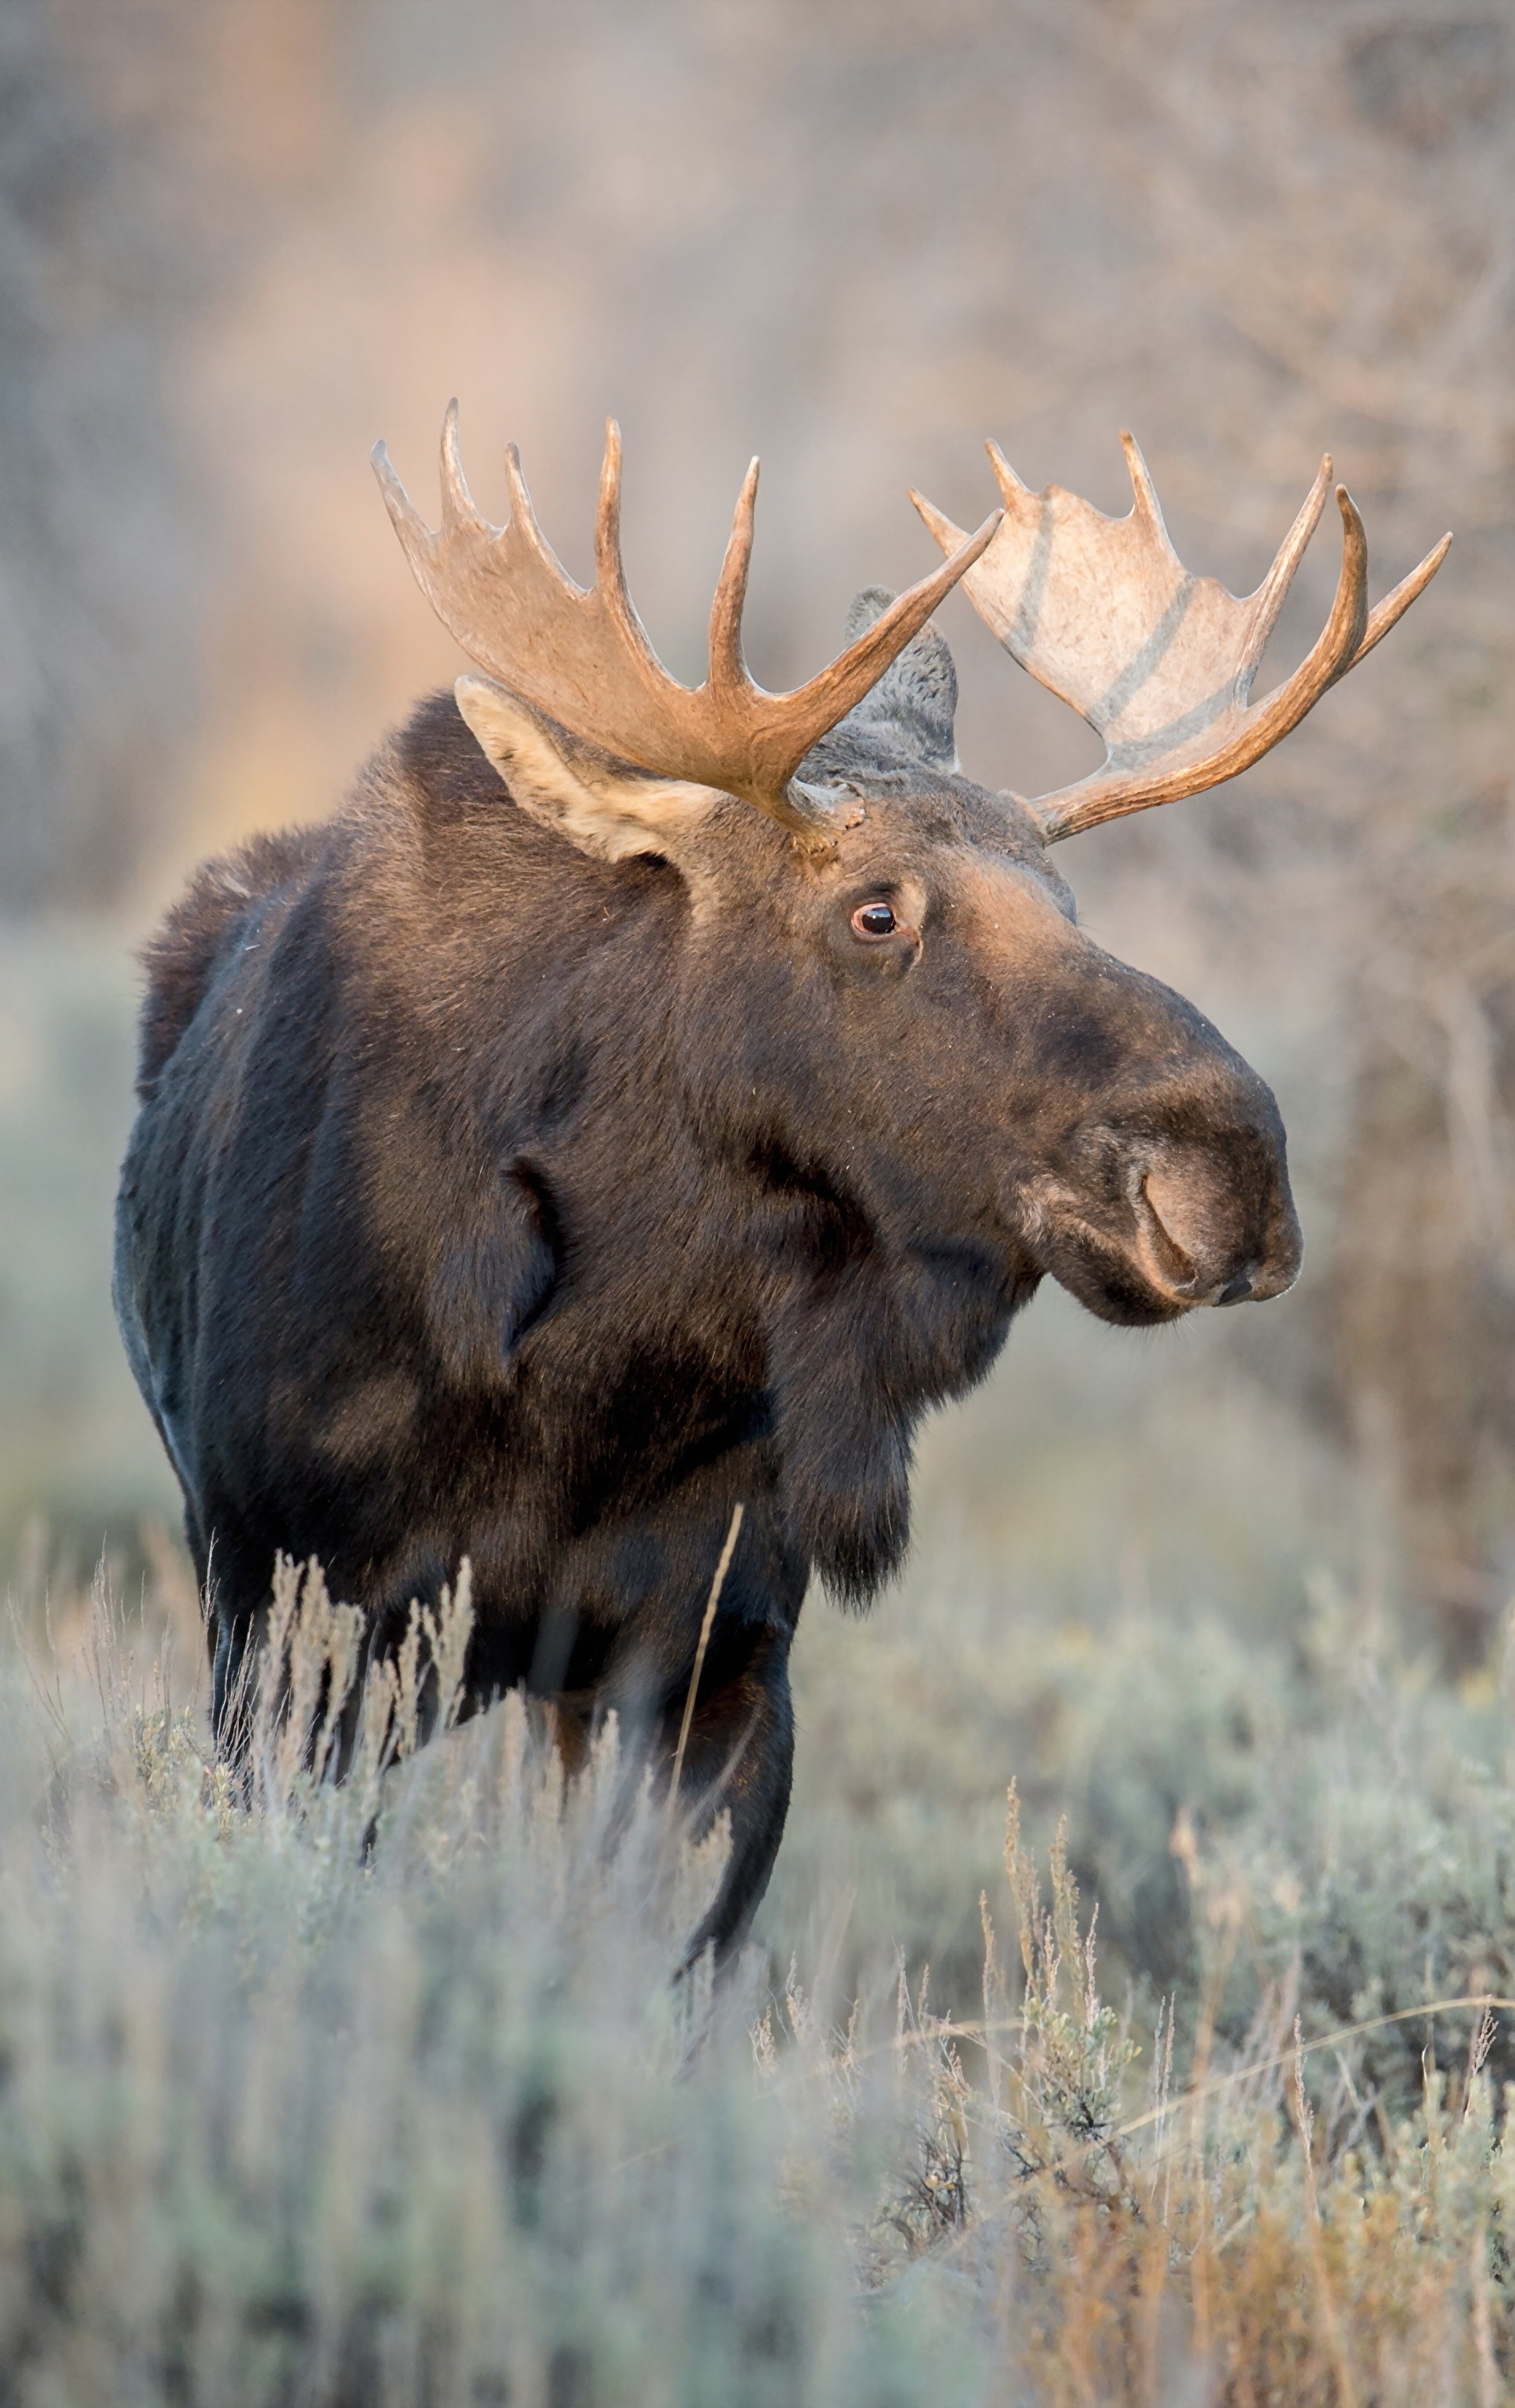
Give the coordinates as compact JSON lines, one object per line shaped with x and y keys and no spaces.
{"x":1144,"y":1222}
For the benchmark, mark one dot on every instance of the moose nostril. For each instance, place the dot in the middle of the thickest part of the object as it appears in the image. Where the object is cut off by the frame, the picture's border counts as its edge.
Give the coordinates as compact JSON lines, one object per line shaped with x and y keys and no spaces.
{"x":1177,"y":1219}
{"x":1194,"y":1233}
{"x":1239,"y":1290}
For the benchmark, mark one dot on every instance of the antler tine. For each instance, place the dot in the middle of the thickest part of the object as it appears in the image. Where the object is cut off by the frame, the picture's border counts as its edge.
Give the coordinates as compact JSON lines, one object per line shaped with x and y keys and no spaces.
{"x":1268,"y":599}
{"x":1010,"y":484}
{"x":610,"y":573}
{"x":1340,"y":640}
{"x":458,"y":506}
{"x":727,"y":667}
{"x":415,"y":535}
{"x":1104,"y":613}
{"x":1388,"y":612}
{"x":936,"y":522}
{"x":1147,"y":506}
{"x":607,"y":562}
{"x":582,"y":657}
{"x":521,"y":525}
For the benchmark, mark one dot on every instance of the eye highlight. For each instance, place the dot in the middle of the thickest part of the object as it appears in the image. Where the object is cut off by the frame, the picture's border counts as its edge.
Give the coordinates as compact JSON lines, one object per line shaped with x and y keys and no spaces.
{"x":875,"y":920}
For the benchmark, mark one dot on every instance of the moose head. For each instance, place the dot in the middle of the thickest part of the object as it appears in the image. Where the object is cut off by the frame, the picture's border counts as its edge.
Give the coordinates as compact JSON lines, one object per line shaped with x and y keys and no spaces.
{"x":884,"y":992}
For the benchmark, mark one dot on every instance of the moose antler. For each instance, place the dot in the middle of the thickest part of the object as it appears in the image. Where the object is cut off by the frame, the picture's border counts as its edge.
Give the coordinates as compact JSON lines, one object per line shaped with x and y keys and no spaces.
{"x":1160,"y":663}
{"x":583,"y":657}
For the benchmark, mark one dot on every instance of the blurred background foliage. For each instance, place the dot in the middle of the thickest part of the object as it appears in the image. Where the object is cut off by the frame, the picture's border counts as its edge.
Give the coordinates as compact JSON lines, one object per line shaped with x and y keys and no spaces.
{"x":238,"y":242}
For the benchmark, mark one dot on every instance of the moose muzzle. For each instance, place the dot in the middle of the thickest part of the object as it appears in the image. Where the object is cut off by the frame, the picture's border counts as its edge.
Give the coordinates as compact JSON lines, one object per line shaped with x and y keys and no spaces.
{"x":1146,"y":1215}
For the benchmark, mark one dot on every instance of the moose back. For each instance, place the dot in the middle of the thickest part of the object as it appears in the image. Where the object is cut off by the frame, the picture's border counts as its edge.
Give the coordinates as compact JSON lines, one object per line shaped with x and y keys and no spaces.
{"x":643,"y":1100}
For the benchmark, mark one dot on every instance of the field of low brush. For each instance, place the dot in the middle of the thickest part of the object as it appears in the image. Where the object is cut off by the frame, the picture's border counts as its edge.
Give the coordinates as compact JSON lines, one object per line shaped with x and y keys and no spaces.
{"x":390,"y":2092}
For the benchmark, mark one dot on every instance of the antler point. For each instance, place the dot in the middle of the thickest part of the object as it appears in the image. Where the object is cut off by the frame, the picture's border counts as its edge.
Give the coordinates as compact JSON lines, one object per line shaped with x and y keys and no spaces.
{"x":728,"y":673}
{"x":1004,"y":476}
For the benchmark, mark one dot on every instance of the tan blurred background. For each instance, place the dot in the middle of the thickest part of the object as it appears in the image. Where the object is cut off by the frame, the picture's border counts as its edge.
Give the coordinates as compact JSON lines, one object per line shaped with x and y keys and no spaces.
{"x":240,"y":238}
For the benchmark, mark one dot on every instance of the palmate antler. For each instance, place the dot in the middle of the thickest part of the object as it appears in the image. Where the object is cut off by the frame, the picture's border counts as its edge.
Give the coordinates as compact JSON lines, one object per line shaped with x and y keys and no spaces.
{"x":1160,"y":663}
{"x":584,"y":659}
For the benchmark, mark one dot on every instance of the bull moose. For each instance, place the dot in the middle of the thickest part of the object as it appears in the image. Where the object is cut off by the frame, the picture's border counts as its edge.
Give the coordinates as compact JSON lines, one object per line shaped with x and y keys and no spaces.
{"x":642,"y":1100}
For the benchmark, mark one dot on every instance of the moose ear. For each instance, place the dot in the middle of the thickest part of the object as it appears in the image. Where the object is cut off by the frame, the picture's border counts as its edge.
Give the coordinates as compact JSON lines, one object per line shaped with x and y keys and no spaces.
{"x":604,"y":805}
{"x":912,"y":708}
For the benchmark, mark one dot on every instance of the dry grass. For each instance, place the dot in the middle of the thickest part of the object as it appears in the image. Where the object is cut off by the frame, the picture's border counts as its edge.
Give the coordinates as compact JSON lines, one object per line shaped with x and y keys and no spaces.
{"x":388,"y":2092}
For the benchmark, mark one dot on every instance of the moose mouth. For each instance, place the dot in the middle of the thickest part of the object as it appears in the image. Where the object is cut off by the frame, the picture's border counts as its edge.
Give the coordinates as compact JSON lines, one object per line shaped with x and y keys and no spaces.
{"x":1181,"y":1236}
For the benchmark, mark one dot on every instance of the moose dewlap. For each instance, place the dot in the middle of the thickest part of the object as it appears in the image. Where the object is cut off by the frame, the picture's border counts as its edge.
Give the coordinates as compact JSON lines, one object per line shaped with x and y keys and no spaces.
{"x":640,"y":1101}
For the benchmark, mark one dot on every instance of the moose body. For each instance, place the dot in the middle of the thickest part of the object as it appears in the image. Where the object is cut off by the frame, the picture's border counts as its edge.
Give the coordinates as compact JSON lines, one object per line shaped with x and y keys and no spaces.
{"x":546,"y":1156}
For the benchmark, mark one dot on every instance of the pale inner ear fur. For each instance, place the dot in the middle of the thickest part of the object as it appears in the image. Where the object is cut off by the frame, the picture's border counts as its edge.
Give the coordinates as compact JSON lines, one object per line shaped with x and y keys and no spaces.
{"x":603,"y":806}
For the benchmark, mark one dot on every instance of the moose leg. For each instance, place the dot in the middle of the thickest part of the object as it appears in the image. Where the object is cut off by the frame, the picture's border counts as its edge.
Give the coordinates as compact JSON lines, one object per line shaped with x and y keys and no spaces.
{"x":235,"y":1577}
{"x":739,"y":1760}
{"x":232,"y":1622}
{"x":234,"y":1639}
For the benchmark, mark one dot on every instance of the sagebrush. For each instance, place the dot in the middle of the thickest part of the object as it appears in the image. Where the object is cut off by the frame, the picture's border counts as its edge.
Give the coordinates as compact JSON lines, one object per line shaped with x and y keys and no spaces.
{"x":394,"y":2091}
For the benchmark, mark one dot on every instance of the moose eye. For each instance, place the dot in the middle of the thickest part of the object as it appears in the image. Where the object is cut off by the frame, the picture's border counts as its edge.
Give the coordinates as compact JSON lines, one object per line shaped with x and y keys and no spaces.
{"x":874,"y":920}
